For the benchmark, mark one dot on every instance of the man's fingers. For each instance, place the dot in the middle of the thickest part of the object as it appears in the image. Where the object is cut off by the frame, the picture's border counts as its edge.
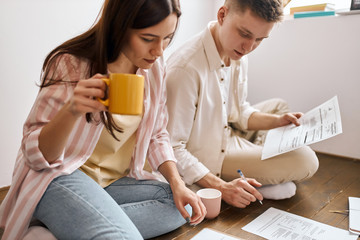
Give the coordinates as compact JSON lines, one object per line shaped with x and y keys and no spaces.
{"x":253,"y":182}
{"x":249,"y":191}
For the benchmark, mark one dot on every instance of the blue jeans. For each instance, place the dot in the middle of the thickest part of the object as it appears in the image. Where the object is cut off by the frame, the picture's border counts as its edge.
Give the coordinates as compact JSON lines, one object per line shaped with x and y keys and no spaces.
{"x":76,"y":207}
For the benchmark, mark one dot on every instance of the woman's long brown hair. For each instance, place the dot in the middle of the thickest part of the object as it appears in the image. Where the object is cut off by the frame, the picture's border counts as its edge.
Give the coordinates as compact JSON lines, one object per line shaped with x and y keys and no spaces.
{"x":103,"y":42}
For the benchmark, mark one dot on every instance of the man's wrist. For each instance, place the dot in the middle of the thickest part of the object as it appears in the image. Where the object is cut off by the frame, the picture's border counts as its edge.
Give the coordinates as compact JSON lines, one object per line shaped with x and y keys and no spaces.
{"x":211,"y":181}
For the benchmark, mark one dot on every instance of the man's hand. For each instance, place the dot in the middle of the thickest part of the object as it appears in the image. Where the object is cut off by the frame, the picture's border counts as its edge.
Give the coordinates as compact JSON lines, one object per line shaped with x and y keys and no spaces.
{"x":266,"y":121}
{"x":240,"y":193}
{"x":288,"y":118}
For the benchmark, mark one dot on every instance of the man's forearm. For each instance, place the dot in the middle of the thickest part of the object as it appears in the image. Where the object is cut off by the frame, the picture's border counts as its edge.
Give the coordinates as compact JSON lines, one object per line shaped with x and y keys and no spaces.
{"x":262,"y":121}
{"x":210,"y":181}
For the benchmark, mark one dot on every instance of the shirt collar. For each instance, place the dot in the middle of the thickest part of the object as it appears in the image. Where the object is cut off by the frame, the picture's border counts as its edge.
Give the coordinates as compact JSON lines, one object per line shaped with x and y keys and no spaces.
{"x":211,"y":51}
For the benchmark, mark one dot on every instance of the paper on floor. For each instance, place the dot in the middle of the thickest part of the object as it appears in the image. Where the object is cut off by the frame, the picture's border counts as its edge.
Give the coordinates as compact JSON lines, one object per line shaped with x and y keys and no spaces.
{"x":210,"y":234}
{"x":278,"y":224}
{"x":354,"y":215}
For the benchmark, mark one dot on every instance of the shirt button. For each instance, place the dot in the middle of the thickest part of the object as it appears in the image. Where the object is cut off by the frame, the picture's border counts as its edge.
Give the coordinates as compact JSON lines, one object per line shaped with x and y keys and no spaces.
{"x":224,"y":102}
{"x":222,"y":79}
{"x":222,"y":150}
{"x":222,"y":65}
{"x":225,"y":126}
{"x":218,"y":174}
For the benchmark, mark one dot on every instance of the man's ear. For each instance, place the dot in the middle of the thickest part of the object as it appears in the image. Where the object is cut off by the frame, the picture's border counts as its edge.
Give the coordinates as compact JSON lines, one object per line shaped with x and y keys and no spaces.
{"x":223,"y":11}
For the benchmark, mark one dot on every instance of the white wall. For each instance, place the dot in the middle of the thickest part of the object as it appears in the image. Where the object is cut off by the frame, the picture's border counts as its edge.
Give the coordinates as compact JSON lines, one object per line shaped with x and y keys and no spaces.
{"x":305,"y":61}
{"x":195,"y":16}
{"x":308,"y":61}
{"x":29,"y":30}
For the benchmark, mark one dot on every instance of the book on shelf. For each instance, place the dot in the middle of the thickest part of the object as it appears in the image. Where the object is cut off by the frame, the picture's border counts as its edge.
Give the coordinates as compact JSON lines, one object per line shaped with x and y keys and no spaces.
{"x":355,"y":5}
{"x":313,"y":14}
{"x":314,"y":7}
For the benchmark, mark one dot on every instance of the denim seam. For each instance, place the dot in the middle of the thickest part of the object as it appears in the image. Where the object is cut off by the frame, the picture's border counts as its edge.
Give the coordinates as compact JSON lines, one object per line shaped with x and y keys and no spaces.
{"x":162,"y":188}
{"x":90,"y":206}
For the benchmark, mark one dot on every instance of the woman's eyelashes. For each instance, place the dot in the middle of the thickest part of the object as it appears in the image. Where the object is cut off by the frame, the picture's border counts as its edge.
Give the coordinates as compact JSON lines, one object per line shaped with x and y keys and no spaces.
{"x":148,"y":40}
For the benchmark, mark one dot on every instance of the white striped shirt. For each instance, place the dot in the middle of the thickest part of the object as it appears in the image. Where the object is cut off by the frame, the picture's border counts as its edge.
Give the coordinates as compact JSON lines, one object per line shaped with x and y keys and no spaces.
{"x":32,"y":173}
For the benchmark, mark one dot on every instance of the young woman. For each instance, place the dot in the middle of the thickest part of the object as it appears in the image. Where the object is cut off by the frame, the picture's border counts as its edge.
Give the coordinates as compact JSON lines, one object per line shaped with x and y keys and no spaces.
{"x":53,"y":181}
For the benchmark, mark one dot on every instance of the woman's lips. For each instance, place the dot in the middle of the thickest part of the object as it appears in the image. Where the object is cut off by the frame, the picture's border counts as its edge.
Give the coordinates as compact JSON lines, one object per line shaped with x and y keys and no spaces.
{"x":150,"y":61}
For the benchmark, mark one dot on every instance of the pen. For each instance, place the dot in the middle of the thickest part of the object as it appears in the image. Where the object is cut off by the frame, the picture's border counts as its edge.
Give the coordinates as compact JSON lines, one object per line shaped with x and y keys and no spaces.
{"x":243,"y":178}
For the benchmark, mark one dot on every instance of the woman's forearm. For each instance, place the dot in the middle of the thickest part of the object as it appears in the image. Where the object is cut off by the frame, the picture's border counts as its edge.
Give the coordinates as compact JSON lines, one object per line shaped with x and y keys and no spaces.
{"x":54,"y":135}
{"x":169,"y":171}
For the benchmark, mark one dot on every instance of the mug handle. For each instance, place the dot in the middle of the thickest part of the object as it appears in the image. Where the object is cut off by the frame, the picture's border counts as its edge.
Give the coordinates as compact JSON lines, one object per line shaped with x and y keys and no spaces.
{"x":106,"y":101}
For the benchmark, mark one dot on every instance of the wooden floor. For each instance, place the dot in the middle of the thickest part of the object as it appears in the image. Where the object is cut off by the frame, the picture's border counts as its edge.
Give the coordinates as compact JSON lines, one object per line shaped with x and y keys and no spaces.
{"x":329,"y":189}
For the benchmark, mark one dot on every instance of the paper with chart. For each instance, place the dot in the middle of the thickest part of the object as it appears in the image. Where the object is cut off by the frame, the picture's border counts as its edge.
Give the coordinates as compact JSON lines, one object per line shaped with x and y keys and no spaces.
{"x":278,"y":224}
{"x":318,"y":124}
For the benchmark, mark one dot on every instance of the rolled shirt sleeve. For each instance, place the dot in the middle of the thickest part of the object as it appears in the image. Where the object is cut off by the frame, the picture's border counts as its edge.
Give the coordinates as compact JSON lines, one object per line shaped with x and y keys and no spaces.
{"x":49,"y":101}
{"x":160,"y":148}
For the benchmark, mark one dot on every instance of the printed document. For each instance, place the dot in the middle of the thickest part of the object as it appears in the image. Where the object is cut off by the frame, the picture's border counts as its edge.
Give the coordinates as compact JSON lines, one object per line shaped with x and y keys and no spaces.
{"x":354,"y":215}
{"x":210,"y":234}
{"x":318,"y":124}
{"x":278,"y":224}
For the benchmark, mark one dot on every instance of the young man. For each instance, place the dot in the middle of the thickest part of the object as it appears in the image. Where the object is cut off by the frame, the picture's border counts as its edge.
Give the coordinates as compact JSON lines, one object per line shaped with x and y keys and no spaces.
{"x":213,"y":128}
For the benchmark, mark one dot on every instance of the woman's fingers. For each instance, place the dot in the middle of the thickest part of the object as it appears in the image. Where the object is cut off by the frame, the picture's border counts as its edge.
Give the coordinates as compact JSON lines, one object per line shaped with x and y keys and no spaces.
{"x":86,"y":93}
{"x":199,"y":212}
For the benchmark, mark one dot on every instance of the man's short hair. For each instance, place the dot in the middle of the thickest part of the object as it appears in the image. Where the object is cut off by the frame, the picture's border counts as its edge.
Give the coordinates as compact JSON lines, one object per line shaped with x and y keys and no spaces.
{"x":269,"y":10}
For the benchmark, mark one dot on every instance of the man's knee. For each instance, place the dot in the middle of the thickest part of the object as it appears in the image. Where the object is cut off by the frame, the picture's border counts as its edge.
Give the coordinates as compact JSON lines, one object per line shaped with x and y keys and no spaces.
{"x":280,"y":106}
{"x":274,"y":106}
{"x":307,"y":163}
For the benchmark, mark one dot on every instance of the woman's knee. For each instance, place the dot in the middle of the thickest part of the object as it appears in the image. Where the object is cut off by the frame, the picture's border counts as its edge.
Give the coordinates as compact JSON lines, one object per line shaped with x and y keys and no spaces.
{"x":96,"y":214}
{"x":164,"y":191}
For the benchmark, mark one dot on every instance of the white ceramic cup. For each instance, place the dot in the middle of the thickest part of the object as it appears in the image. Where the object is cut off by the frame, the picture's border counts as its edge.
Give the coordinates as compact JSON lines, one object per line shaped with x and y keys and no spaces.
{"x":211,"y":198}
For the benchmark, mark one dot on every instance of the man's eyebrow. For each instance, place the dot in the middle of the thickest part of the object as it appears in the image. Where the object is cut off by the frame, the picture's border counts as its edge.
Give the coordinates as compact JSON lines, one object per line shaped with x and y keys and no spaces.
{"x":250,"y":33}
{"x":245,"y":30}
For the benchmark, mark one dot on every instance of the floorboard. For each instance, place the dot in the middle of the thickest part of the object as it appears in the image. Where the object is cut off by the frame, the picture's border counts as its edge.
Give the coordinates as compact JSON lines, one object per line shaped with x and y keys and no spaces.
{"x":329,"y":189}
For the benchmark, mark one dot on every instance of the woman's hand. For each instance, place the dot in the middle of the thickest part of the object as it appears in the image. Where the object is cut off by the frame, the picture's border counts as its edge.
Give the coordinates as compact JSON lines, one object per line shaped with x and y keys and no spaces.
{"x":85,"y":96}
{"x":183,"y":196}
{"x":54,"y":135}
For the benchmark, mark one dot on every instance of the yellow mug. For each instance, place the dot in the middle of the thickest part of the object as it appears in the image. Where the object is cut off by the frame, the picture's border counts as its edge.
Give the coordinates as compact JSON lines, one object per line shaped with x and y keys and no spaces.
{"x":125,"y":93}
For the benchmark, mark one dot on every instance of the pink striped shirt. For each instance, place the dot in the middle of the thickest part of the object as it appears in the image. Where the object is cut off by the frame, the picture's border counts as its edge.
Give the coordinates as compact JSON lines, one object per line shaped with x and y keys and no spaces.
{"x":32,"y":173}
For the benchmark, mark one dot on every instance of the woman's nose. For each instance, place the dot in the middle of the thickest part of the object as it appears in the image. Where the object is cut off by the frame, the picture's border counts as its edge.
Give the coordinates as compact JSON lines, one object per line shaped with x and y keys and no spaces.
{"x":158,"y":49}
